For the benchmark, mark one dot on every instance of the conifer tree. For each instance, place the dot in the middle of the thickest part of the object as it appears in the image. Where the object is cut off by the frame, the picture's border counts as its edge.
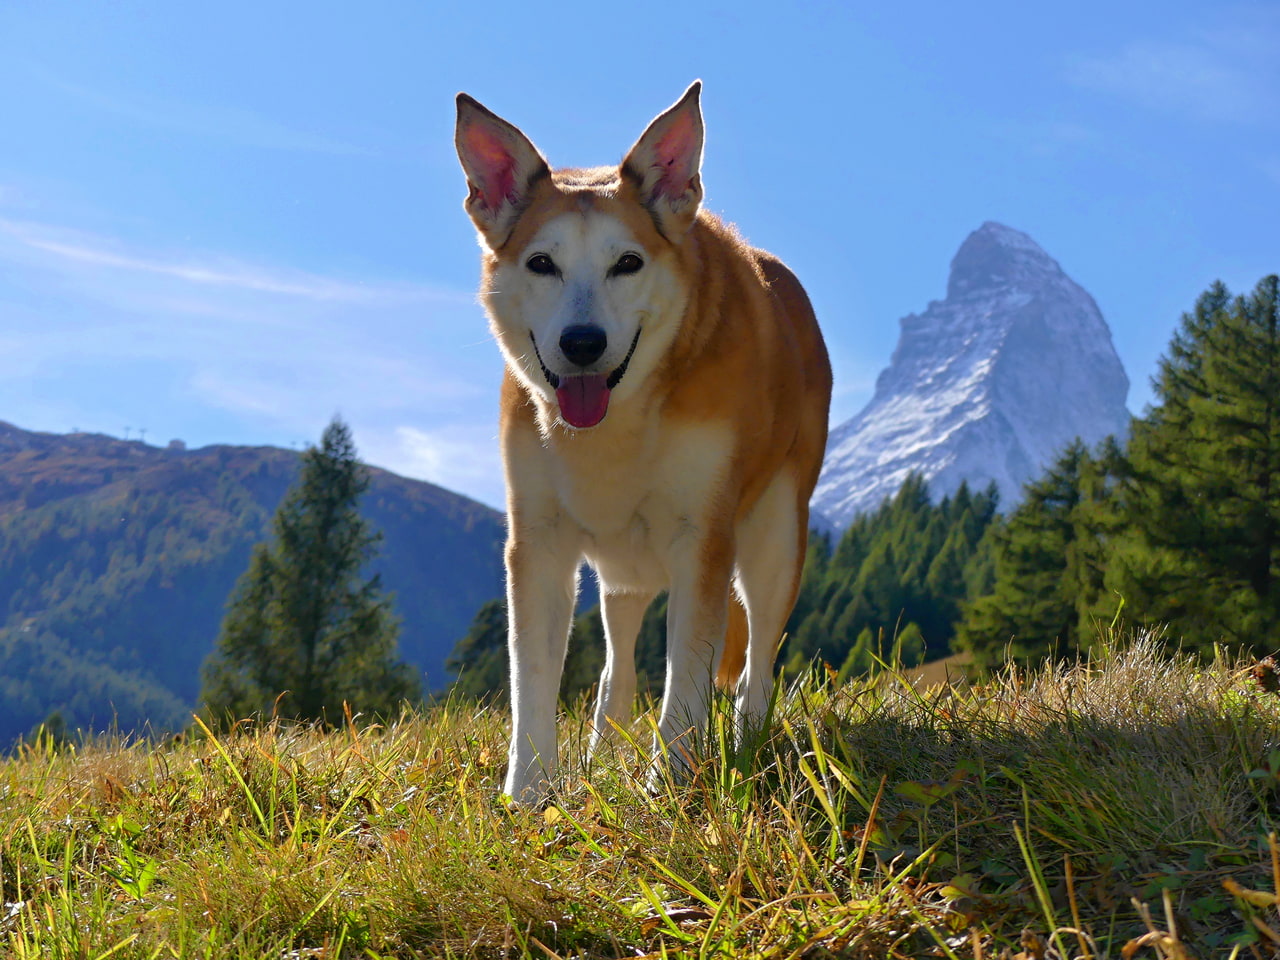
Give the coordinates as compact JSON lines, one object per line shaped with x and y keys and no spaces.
{"x":1050,"y":564}
{"x":1204,"y":495}
{"x":305,"y":635}
{"x":945,"y":581}
{"x":861,"y":658}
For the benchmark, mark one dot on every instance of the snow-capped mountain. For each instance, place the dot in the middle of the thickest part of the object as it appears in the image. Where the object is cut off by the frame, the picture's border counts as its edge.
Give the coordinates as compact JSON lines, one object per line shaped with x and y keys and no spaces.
{"x":988,"y":384}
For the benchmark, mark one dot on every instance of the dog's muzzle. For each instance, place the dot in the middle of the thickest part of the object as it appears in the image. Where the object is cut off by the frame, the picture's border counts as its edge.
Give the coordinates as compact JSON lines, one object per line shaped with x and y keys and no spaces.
{"x":584,"y":397}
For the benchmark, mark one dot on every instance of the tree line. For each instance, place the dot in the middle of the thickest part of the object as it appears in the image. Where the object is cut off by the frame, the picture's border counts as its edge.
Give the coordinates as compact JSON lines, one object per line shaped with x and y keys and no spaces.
{"x":890,"y":588}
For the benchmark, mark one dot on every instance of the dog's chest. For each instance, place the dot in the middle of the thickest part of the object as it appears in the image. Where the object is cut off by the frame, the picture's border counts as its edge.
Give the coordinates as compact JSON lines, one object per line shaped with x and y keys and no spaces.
{"x":639,"y":498}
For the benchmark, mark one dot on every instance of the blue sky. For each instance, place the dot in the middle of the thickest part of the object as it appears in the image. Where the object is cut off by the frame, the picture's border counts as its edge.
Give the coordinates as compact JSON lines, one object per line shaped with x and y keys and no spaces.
{"x":226,"y":222}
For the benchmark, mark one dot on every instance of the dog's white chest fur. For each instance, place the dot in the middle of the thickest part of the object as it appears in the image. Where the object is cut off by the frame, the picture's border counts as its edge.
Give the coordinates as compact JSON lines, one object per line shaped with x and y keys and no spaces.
{"x":639,"y":497}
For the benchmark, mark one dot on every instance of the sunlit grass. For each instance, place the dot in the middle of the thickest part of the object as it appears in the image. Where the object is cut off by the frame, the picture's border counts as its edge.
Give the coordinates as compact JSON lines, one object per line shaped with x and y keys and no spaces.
{"x":1079,"y":810}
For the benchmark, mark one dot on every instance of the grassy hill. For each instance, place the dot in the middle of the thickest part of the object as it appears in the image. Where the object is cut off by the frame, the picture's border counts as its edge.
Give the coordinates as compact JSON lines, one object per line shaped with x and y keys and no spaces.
{"x":1126,"y":807}
{"x":116,"y":559}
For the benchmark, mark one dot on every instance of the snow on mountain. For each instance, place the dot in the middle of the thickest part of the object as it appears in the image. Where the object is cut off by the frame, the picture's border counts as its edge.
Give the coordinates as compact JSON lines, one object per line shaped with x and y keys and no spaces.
{"x":988,"y":384}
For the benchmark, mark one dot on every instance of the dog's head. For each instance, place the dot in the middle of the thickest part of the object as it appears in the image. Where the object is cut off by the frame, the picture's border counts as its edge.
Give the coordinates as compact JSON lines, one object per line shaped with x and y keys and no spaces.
{"x":582,"y":278}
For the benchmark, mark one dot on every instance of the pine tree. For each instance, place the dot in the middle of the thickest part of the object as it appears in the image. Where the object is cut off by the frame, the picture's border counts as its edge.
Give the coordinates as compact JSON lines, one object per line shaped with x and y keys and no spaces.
{"x":1204,"y":496}
{"x":861,"y":658}
{"x":305,"y":636}
{"x":1050,"y":558}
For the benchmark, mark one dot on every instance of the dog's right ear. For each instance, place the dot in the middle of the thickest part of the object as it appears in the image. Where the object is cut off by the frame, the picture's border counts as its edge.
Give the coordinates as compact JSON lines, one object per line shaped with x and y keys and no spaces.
{"x":501,"y":165}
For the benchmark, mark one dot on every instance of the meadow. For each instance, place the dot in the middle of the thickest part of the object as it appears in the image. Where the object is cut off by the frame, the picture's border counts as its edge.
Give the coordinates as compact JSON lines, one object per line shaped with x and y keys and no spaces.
{"x":1124,"y":806}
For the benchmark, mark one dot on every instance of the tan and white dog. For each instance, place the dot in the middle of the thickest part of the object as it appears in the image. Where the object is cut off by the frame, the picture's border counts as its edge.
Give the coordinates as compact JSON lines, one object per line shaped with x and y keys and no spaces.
{"x":663,"y":416}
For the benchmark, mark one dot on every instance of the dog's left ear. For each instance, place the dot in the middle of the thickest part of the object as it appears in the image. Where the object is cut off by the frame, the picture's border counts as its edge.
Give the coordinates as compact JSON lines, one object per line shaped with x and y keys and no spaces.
{"x":665,"y":162}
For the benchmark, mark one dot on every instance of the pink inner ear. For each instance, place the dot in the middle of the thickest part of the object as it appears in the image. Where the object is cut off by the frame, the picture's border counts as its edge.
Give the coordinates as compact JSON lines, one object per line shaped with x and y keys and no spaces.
{"x":492,"y":162}
{"x":676,"y":153}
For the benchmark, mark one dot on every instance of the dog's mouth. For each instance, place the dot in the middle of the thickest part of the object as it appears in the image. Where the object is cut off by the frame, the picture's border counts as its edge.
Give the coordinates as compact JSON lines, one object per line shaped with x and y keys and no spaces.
{"x":584,"y":397}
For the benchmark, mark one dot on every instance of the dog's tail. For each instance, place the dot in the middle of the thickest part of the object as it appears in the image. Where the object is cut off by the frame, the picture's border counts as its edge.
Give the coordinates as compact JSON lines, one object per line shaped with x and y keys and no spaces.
{"x":734,"y":658}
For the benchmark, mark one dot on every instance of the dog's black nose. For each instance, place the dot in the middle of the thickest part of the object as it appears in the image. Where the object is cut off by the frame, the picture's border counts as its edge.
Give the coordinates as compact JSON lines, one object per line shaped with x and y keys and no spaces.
{"x":583,"y":343}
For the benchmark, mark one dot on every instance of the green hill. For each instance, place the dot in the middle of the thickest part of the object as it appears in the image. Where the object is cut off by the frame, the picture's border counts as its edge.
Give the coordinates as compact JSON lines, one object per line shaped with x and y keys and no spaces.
{"x":116,"y":560}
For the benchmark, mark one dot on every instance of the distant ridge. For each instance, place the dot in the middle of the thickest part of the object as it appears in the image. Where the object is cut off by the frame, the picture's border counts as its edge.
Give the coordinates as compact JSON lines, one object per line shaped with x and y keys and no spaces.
{"x":985,"y":385}
{"x":116,"y":559}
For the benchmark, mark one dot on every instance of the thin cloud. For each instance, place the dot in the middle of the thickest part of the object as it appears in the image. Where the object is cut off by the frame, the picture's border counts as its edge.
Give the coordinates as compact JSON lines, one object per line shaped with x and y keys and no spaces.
{"x":69,"y":246}
{"x":1229,"y":74}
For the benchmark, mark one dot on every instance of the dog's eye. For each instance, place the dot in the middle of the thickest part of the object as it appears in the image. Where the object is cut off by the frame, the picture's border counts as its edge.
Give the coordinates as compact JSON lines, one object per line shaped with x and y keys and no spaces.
{"x":541,"y":264}
{"x":627,"y":263}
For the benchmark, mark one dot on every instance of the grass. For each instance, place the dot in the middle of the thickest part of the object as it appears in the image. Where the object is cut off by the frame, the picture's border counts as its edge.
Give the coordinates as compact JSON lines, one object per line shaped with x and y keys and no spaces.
{"x":1125,"y":807}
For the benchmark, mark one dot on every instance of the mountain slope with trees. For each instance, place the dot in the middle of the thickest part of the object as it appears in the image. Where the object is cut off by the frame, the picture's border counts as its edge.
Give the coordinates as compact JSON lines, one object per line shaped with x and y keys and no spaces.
{"x":117,"y":560}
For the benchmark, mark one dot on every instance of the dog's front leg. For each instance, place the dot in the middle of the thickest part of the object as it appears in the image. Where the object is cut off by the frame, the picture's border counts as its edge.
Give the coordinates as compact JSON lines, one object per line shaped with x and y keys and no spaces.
{"x":542,"y":583}
{"x":696,"y":617}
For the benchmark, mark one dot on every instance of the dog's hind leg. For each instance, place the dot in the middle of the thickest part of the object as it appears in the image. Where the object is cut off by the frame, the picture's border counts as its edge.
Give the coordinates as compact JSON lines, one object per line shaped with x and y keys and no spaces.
{"x":623,"y":614}
{"x":731,"y":655}
{"x":771,"y":544}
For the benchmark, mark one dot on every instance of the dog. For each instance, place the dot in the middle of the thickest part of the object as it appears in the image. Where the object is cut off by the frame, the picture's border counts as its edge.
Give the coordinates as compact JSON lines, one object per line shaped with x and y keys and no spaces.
{"x":664,"y":413}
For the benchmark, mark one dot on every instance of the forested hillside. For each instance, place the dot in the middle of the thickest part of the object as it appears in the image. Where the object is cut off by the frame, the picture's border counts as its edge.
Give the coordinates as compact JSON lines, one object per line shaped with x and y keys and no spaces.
{"x":116,"y":561}
{"x":896,"y":579}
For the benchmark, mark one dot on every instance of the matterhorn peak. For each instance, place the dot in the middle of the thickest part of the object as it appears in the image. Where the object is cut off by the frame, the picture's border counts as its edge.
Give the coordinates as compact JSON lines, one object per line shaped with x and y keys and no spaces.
{"x":986,"y":385}
{"x":995,"y":255}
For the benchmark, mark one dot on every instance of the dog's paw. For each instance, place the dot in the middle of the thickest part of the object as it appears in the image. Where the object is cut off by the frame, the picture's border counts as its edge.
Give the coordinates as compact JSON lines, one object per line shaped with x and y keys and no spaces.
{"x":532,"y":795}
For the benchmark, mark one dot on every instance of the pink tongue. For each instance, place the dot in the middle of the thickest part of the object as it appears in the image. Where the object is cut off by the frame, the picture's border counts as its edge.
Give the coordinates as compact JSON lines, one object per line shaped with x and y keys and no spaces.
{"x":584,"y":400}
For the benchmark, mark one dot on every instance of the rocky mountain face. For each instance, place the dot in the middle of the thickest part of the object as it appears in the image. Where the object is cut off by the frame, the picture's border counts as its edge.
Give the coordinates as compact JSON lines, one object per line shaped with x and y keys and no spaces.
{"x":986,"y":385}
{"x":117,"y":558}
